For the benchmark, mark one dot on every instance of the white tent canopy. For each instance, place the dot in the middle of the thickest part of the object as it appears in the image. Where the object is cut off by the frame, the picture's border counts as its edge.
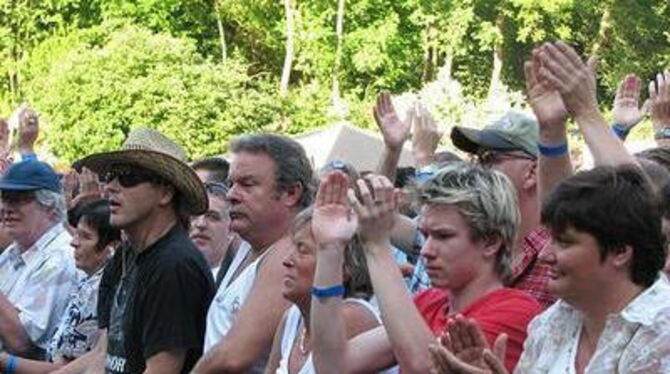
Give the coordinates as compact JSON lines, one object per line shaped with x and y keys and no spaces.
{"x":347,"y":143}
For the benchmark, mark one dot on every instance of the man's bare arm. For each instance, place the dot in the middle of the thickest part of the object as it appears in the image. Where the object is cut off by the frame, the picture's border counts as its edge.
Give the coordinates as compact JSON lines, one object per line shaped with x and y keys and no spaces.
{"x":257,"y":320}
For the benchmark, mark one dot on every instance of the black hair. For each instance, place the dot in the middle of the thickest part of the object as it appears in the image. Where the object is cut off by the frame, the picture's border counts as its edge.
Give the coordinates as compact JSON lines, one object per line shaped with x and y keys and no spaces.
{"x":618,"y":207}
{"x":217,"y":166}
{"x":96,"y":213}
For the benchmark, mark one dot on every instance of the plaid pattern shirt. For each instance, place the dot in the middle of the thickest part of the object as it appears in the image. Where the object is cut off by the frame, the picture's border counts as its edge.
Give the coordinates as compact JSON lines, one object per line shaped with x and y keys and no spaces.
{"x":528,"y":273}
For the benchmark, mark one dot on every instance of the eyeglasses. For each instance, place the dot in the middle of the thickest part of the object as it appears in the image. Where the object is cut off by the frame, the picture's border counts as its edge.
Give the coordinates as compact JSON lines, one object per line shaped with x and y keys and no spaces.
{"x":17,"y":197}
{"x":491,"y":157}
{"x":132,"y":176}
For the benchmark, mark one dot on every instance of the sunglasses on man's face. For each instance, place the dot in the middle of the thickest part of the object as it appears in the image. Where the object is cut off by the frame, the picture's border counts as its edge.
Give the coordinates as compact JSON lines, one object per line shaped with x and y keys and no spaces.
{"x":131,"y":177}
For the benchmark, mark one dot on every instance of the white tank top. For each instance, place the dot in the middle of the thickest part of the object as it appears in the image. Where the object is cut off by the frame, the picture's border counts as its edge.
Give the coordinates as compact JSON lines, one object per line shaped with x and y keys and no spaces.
{"x":291,"y":329}
{"x":229,"y":297}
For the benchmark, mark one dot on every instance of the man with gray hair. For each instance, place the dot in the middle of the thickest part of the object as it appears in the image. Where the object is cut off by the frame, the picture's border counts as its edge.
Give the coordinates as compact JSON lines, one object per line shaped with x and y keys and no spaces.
{"x":270,"y":182}
{"x":37,"y":271}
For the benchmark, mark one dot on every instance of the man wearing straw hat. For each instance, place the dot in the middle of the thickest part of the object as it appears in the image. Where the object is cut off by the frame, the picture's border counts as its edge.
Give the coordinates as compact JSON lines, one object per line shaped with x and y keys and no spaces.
{"x":270,"y":182}
{"x":157,"y":309}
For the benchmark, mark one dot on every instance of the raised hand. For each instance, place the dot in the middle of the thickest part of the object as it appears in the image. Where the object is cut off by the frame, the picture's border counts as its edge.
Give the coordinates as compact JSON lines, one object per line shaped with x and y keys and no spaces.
{"x":545,"y":100}
{"x":573,"y":78}
{"x":88,"y":182}
{"x":6,"y":161}
{"x":394,"y":131}
{"x":627,"y":111}
{"x":659,"y":100}
{"x":28,"y":130}
{"x":70,"y":185}
{"x":4,"y":135}
{"x":376,"y":210}
{"x":333,"y":222}
{"x":426,"y":136}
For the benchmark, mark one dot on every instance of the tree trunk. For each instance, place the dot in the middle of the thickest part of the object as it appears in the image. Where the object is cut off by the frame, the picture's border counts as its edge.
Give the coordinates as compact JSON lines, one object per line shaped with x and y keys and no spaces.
{"x":339,"y":30}
{"x":496,"y":86}
{"x":288,"y":58}
{"x":222,"y":34}
{"x":603,"y":30}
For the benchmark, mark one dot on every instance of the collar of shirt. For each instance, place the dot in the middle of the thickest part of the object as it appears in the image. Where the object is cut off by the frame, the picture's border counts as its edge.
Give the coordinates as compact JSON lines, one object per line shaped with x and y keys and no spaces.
{"x":32,"y":254}
{"x":531,"y":246}
{"x":647,"y":305}
{"x":643,"y":309}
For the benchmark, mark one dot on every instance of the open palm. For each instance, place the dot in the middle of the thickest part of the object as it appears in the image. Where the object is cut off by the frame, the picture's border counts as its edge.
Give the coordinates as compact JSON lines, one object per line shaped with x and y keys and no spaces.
{"x":333,"y":222}
{"x":394,"y":131}
{"x":546,"y":101}
{"x":627,"y":111}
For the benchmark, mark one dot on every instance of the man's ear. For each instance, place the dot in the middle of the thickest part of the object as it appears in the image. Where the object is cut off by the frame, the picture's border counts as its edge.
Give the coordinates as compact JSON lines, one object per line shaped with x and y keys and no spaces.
{"x":291,"y":195}
{"x":168,"y":193}
{"x":530,"y":176}
{"x":492,"y":245}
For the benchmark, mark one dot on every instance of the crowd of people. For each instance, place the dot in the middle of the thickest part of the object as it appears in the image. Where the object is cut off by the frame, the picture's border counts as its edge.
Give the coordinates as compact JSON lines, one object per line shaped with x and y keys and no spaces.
{"x":506,"y":261}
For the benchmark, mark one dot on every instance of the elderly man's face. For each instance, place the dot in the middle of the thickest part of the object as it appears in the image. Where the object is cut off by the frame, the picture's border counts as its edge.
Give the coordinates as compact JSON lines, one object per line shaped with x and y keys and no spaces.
{"x":22,"y":216}
{"x":255,"y":203}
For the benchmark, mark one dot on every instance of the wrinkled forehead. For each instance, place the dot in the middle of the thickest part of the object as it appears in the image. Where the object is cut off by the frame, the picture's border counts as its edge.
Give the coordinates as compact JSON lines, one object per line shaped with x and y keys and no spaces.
{"x":246,"y":164}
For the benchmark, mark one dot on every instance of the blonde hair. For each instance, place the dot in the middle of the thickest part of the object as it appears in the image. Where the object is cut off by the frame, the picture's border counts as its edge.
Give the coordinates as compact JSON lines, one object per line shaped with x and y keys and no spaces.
{"x":485,"y":198}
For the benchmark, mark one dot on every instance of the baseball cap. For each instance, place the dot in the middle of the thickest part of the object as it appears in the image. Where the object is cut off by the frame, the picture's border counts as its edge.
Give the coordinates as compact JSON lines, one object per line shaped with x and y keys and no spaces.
{"x":30,"y":175}
{"x":515,"y":131}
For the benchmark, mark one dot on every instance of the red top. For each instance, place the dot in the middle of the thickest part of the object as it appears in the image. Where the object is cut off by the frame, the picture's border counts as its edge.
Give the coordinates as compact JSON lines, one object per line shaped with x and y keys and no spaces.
{"x":505,"y":310}
{"x":529,"y":274}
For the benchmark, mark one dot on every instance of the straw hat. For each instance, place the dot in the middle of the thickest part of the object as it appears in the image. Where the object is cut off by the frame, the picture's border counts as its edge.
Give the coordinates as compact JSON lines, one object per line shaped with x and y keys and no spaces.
{"x":153,"y":151}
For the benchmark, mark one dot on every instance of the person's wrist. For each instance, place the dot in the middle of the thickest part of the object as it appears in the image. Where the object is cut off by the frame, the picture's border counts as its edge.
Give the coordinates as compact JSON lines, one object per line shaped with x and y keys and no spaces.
{"x":621,"y":131}
{"x":394,"y":147}
{"x":423,"y":159}
{"x":331,"y":246}
{"x":377,"y":244}
{"x":552,"y":124}
{"x":588,"y":115}
{"x":23,"y":149}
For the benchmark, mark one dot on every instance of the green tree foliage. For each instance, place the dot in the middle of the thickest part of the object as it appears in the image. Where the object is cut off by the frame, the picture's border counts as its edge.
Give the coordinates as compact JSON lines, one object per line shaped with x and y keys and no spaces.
{"x":92,"y":96}
{"x":96,"y":68}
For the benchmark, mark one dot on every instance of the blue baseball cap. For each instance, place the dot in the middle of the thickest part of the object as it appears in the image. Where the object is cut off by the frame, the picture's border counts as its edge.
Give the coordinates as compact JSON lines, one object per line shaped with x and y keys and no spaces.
{"x":30,"y":175}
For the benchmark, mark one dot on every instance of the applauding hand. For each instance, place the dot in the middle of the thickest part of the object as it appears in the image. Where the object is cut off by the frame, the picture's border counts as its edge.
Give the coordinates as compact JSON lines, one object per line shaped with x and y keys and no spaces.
{"x":333,"y":222}
{"x":376,"y":210}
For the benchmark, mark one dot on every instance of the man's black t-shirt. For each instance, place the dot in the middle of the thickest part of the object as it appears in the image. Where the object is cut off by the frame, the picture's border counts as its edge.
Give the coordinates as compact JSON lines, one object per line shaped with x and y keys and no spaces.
{"x":160,"y":303}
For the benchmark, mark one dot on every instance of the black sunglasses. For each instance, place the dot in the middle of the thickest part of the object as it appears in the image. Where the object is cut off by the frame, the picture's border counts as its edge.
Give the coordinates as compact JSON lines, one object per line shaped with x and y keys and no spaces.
{"x":131,"y":176}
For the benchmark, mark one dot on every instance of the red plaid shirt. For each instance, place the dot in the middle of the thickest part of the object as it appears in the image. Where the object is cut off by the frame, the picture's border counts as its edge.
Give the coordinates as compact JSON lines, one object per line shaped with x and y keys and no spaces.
{"x":528,"y":273}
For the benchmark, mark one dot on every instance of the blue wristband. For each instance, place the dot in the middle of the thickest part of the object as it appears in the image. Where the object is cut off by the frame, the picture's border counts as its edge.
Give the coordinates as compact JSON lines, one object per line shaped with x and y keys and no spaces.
{"x":28,"y":156}
{"x":11,"y":365}
{"x":556,"y":151}
{"x":326,"y":292}
{"x":620,"y":131}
